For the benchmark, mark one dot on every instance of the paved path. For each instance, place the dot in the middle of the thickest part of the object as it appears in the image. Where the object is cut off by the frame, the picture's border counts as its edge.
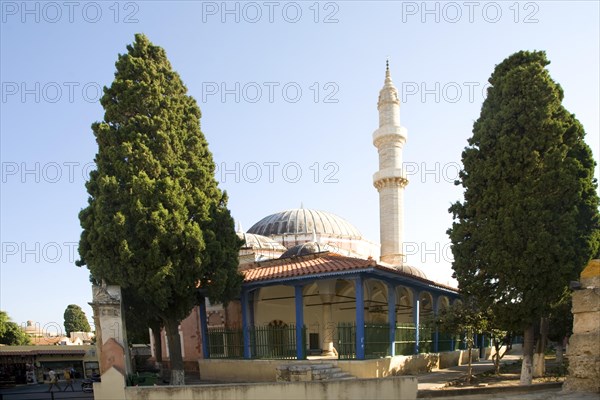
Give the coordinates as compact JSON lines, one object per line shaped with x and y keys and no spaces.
{"x":552,"y":394}
{"x":439,"y":378}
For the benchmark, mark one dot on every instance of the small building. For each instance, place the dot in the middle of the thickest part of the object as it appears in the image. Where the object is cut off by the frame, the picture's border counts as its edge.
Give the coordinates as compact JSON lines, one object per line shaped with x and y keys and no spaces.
{"x":31,"y":364}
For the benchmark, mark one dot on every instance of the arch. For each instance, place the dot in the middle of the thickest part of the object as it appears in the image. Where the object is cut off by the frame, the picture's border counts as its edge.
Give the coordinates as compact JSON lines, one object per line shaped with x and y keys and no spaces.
{"x":274,"y":303}
{"x":344,"y":309}
{"x":376,"y":301}
{"x":215,"y":318}
{"x":425,"y":305}
{"x":443,"y":303}
{"x":404,"y":304}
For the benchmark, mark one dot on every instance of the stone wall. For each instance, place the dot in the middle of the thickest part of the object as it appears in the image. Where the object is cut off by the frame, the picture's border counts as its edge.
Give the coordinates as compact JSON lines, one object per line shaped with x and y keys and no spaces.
{"x":265,"y":370}
{"x":584,"y":344}
{"x":404,"y":388}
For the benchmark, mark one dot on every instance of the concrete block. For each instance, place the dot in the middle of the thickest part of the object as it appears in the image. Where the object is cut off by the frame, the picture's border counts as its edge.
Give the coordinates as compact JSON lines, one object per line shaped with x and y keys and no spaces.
{"x":587,"y":300}
{"x":586,"y":323}
{"x":584,"y":344}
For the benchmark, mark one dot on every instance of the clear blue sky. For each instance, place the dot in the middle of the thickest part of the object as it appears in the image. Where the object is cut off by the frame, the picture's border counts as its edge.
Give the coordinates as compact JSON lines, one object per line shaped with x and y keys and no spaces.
{"x":285,"y":88}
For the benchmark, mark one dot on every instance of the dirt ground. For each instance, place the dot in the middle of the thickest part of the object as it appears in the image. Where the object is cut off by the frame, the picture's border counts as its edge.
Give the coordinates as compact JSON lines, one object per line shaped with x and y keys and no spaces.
{"x":509,"y":376}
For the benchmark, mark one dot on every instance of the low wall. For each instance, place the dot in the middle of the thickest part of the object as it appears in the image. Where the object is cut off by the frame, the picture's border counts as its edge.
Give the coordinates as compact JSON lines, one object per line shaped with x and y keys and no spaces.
{"x":405,"y":365}
{"x":239,"y":370}
{"x":404,"y":387}
{"x":265,"y":370}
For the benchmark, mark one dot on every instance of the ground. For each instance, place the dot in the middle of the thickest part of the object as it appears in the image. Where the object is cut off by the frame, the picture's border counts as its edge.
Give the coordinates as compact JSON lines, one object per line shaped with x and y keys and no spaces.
{"x":509,"y":376}
{"x":40,"y":392}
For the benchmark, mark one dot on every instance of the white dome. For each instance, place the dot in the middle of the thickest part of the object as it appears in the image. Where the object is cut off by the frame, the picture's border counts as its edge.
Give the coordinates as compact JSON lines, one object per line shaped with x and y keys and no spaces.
{"x":301,"y":221}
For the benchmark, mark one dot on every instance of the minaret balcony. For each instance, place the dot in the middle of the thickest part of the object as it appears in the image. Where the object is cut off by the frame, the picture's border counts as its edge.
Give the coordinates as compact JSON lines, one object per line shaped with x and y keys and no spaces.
{"x":389,"y":134}
{"x":394,"y":177}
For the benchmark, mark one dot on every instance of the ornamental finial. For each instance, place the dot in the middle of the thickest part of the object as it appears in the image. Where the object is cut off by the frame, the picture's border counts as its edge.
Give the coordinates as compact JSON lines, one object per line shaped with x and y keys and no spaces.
{"x":388,"y":77}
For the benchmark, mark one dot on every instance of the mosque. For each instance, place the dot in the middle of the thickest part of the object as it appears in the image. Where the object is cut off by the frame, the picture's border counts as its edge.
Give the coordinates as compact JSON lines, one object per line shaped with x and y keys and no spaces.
{"x":313,"y":285}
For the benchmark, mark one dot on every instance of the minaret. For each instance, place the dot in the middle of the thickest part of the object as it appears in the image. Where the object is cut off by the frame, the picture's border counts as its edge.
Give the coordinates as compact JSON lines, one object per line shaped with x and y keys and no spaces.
{"x":390,"y":180}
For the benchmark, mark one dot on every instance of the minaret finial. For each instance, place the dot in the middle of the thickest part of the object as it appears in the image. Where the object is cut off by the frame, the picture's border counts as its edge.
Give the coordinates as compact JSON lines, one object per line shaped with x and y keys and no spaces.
{"x":388,"y":77}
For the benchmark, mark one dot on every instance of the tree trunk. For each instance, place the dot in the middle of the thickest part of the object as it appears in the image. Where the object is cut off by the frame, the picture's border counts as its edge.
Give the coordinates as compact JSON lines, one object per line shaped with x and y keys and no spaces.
{"x":175,"y":358}
{"x":559,"y":353}
{"x":470,"y":368}
{"x":526,"y":368}
{"x":496,"y":357}
{"x":539,"y":358}
{"x":157,"y":338}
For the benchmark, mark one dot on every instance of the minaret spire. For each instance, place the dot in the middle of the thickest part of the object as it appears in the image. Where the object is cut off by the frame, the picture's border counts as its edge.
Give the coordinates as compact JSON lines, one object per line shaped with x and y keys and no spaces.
{"x":387,"y":69}
{"x":390,"y":180}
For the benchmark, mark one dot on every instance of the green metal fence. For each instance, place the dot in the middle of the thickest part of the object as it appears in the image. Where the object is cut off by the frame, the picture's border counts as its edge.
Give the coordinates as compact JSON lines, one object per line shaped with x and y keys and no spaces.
{"x":279,"y":342}
{"x":404,"y":339}
{"x":446,"y":341}
{"x":268,"y":342}
{"x":346,"y":340}
{"x":275,"y":342}
{"x":425,"y":340}
{"x":377,"y":340}
{"x":225,"y":343}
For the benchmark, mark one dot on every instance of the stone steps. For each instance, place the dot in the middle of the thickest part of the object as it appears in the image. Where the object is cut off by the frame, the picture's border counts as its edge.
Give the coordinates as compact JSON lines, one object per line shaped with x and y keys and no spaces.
{"x":310,"y":372}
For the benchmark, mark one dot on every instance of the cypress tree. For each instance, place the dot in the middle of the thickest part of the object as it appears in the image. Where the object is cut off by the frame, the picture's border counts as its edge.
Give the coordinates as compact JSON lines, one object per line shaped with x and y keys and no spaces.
{"x":150,"y":221}
{"x":75,"y":320}
{"x":529,"y":220}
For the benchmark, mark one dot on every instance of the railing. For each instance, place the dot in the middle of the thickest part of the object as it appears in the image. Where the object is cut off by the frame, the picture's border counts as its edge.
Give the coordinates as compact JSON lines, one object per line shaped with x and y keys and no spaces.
{"x":225,"y":343}
{"x":426,"y":340}
{"x":346,"y":340}
{"x":405,"y":340}
{"x":268,"y":342}
{"x":446,"y":341}
{"x":279,"y":342}
{"x":275,"y":342}
{"x":377,"y":340}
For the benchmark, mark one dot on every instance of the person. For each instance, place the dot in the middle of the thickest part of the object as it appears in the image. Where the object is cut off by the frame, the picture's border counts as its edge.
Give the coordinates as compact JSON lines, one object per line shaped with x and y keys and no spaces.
{"x":53,"y":380}
{"x":68,"y":379}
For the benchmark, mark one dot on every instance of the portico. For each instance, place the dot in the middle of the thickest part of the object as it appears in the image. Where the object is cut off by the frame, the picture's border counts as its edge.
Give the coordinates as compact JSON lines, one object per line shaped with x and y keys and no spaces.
{"x":350,"y":307}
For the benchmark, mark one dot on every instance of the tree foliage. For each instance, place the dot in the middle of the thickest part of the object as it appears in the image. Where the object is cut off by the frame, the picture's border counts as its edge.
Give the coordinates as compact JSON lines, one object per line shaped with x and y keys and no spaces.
{"x":529,"y":220}
{"x":150,"y":225}
{"x":75,"y":320}
{"x":10,"y":333}
{"x":466,"y":319}
{"x":560,"y":320}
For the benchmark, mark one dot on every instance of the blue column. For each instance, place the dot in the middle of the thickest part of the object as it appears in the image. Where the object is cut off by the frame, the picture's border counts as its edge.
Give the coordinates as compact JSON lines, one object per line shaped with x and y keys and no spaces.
{"x":245,"y":327}
{"x":360,"y":318}
{"x":251,"y":298}
{"x":416,"y":307}
{"x":299,"y":322}
{"x":204,"y":328}
{"x":436,"y":334}
{"x":392,"y":316}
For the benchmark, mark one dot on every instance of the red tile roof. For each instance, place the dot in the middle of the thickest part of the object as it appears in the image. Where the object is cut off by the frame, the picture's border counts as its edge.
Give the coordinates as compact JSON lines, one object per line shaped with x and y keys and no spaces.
{"x":304,"y":265}
{"x":319,"y":263}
